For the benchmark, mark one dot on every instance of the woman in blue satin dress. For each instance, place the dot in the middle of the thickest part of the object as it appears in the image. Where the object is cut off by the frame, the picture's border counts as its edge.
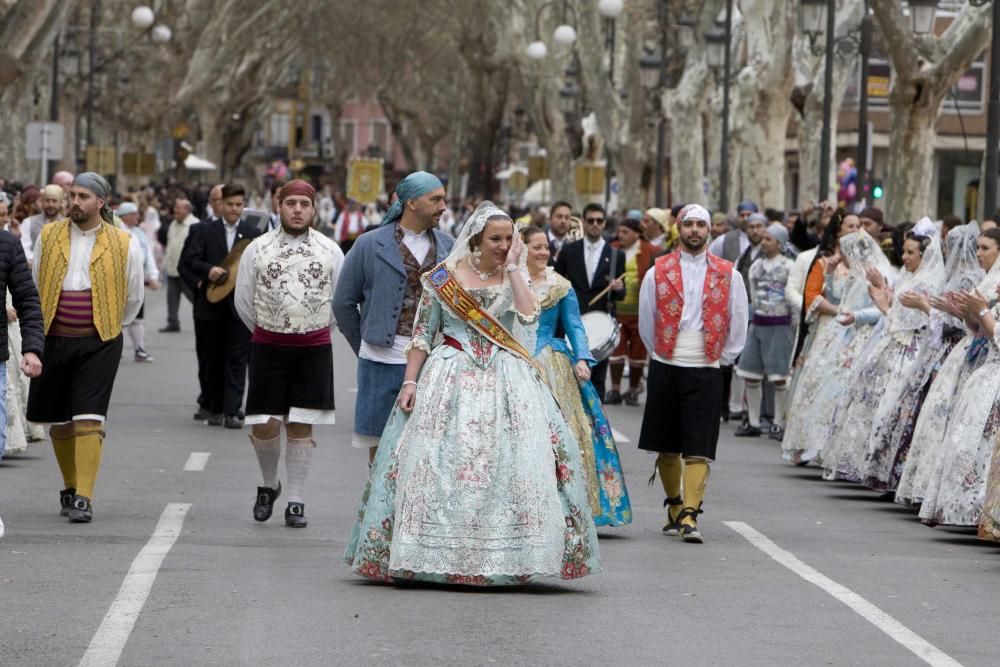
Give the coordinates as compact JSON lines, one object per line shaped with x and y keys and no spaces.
{"x":567,"y":372}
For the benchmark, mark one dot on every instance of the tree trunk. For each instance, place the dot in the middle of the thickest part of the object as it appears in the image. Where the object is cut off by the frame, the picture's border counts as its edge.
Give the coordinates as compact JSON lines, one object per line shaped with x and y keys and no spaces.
{"x":911,"y":161}
{"x":762,"y":164}
{"x":683,"y":109}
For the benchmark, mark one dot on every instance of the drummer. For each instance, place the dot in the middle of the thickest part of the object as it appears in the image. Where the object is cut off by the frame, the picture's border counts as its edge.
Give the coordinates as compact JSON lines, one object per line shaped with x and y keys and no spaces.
{"x":596,"y":271}
{"x":639,"y":255}
{"x":222,"y":336}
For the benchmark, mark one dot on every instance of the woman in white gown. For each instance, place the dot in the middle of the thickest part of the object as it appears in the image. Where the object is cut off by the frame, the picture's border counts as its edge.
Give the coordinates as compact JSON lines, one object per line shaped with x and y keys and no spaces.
{"x":956,"y":485}
{"x":816,"y":403}
{"x":888,"y":449}
{"x":881,"y":374}
{"x":929,"y":435}
{"x":819,"y":352}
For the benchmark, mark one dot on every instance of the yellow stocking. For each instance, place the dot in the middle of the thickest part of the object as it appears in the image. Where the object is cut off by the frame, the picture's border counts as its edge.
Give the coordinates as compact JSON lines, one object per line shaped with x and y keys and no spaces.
{"x":65,"y":449}
{"x":695,"y":480}
{"x":671,"y":469}
{"x":88,"y":459}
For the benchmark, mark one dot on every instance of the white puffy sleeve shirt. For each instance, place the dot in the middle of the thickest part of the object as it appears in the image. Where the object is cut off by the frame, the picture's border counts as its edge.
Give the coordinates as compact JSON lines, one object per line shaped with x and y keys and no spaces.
{"x":81,"y":249}
{"x":693,"y":270}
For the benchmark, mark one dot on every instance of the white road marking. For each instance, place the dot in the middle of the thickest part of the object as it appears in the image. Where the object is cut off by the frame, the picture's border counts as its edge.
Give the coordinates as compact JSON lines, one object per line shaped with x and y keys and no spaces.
{"x":881,"y":620}
{"x":197,"y":461}
{"x":619,"y":436}
{"x":106,"y":646}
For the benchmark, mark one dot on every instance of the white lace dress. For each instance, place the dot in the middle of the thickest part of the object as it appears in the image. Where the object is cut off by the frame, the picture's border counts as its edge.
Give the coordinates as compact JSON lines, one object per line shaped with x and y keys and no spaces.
{"x":956,"y":482}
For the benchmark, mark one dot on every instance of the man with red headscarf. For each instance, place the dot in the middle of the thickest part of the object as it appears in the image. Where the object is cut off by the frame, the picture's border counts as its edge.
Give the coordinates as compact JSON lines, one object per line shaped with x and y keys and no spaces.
{"x":284,"y":294}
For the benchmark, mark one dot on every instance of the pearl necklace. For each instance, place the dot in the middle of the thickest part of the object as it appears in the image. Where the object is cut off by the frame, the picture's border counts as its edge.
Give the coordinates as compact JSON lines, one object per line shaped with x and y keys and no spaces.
{"x":483,"y":276}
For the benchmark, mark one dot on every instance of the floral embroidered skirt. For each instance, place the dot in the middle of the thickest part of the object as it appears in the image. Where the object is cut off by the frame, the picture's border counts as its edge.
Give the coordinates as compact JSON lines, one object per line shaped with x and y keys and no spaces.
{"x":582,"y":408}
{"x":482,"y":484}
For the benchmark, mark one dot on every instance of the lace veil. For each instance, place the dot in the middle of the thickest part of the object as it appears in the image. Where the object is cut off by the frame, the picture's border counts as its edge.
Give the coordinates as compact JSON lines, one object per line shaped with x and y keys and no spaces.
{"x":486,"y":211}
{"x":927,"y":279}
{"x":861,"y":252}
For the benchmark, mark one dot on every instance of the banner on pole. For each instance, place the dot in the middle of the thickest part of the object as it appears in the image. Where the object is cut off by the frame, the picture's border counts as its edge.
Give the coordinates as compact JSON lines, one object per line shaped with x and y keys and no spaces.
{"x":365,"y":180}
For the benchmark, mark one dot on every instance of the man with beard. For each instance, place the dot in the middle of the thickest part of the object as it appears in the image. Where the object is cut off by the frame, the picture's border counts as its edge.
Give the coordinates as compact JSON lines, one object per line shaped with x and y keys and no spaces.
{"x":90,"y":283}
{"x":377,"y":295}
{"x":284,"y":291}
{"x":53,"y":197}
{"x":692,"y":316}
{"x":559,"y":221}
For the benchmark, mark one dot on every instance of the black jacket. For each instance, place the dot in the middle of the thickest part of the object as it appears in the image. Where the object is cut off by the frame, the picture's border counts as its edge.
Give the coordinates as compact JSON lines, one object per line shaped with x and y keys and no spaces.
{"x":204,"y":248}
{"x":573,"y":266}
{"x":16,"y":277}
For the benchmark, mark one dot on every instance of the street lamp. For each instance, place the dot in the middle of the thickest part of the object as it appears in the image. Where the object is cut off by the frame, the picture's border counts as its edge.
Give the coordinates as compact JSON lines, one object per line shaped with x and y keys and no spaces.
{"x":716,"y":52}
{"x":649,"y":70}
{"x":812,"y":13}
{"x":564,"y":34}
{"x":922,"y":14}
{"x":719,"y":55}
{"x":811,"y":18}
{"x":161,"y":34}
{"x":610,"y":9}
{"x":685,"y":31}
{"x":142,"y":17}
{"x":567,"y":98}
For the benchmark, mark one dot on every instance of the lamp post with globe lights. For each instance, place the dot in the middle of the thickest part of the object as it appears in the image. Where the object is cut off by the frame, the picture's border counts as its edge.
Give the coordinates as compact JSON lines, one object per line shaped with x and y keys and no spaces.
{"x":719,"y":54}
{"x":653,"y":76}
{"x":142,"y":18}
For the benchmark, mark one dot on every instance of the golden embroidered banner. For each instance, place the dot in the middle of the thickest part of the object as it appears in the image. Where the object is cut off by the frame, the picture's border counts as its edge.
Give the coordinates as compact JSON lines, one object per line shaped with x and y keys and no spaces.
{"x":364,"y":180}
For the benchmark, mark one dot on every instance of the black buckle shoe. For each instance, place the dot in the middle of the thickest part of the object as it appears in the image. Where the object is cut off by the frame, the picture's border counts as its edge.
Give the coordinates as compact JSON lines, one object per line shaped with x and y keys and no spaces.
{"x":233,"y":421}
{"x":613,"y":398}
{"x":689,"y":531}
{"x":777,"y":433}
{"x":202,"y":415}
{"x":673,"y":525}
{"x":81,"y":511}
{"x":214,"y":419}
{"x":264,"y":506}
{"x":747,"y":431}
{"x":295,"y":515}
{"x":66,"y":501}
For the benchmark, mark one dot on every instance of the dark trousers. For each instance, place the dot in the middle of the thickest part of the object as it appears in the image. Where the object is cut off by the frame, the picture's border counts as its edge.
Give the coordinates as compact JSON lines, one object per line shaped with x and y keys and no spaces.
{"x":681,"y":414}
{"x":225,"y":349}
{"x":173,"y":301}
{"x":598,"y":374}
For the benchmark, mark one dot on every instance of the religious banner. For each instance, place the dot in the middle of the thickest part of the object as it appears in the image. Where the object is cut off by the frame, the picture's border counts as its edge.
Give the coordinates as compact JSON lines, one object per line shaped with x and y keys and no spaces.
{"x":364,"y":180}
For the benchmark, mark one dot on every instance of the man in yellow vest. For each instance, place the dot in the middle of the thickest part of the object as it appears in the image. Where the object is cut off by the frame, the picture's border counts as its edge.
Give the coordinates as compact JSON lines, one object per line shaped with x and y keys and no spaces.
{"x":90,"y":283}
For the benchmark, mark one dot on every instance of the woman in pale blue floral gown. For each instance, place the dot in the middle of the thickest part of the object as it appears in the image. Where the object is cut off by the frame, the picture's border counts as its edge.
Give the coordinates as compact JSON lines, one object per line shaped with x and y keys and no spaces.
{"x":478,"y":478}
{"x":567,"y":372}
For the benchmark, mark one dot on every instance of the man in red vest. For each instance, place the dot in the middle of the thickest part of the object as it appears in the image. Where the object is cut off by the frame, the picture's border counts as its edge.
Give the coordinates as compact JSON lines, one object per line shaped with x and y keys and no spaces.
{"x":692,"y":316}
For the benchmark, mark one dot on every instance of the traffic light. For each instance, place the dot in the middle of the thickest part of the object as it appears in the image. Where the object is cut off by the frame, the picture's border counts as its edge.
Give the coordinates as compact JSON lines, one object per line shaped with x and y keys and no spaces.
{"x":877,"y":190}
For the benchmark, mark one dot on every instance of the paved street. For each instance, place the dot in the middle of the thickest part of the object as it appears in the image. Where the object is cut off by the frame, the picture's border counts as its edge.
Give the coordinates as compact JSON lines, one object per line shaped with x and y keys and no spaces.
{"x":233,"y":592}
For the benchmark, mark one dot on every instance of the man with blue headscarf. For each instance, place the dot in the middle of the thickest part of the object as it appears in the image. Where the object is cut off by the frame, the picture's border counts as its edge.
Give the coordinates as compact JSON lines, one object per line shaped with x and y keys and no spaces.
{"x":377,"y":295}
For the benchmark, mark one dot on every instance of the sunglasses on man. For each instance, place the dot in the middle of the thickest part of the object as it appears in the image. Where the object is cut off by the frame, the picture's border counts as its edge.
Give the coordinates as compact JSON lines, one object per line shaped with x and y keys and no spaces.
{"x":594,"y":221}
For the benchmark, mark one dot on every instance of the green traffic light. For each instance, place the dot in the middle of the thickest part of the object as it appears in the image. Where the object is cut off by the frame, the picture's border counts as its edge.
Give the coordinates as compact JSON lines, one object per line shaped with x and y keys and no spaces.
{"x":878,"y":192}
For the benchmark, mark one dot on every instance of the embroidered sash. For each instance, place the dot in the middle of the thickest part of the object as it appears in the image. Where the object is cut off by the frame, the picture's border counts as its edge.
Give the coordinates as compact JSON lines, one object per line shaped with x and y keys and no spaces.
{"x":465,"y":307}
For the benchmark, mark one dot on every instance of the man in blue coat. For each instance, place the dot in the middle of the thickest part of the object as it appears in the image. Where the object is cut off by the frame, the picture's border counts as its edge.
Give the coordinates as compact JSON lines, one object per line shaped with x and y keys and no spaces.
{"x":377,"y":295}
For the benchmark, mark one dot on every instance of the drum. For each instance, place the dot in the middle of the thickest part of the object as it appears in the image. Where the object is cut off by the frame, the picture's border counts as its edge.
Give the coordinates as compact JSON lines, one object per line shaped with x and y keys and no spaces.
{"x":603,"y":333}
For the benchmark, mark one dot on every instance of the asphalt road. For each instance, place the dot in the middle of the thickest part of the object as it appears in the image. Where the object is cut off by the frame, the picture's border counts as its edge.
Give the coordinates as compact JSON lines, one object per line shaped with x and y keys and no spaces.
{"x":229,"y":591}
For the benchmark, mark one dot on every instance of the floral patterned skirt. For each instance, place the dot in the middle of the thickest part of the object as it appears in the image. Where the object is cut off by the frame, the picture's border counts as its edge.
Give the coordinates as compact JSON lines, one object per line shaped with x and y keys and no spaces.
{"x":482,"y":484}
{"x":956,"y":492}
{"x":581,"y":406}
